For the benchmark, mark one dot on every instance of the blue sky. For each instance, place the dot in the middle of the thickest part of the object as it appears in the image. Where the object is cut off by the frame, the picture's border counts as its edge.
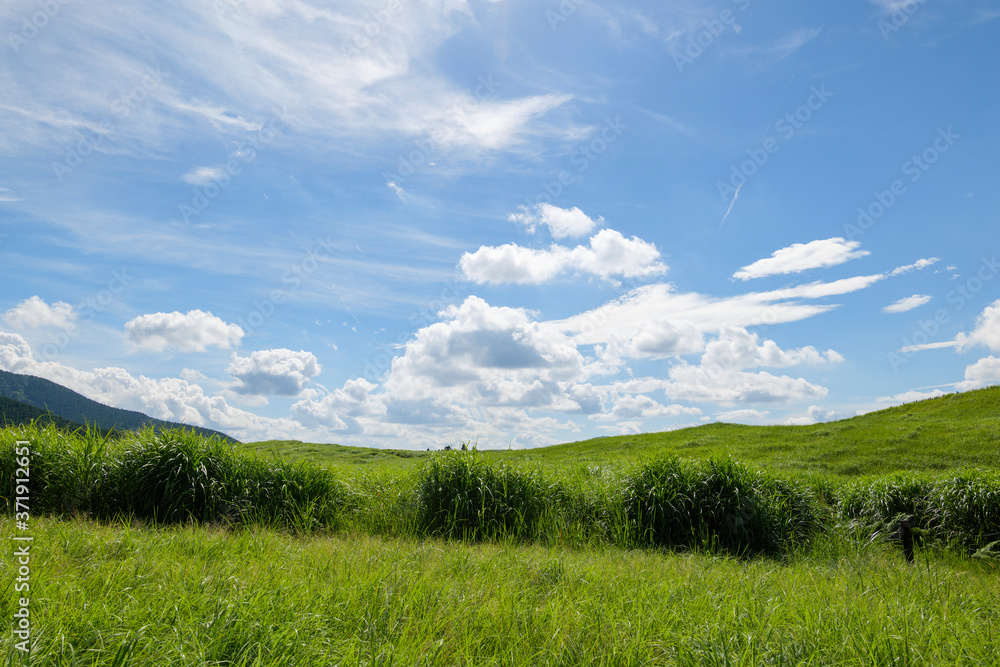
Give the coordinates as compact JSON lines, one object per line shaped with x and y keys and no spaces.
{"x":408,"y":224}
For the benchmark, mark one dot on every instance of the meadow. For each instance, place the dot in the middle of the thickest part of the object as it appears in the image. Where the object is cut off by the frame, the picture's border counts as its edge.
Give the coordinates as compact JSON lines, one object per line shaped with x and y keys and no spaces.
{"x":723,"y":544}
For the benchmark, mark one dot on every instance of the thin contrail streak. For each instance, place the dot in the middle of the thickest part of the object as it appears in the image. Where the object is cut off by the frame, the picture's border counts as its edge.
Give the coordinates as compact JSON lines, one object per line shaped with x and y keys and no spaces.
{"x":736,"y":195}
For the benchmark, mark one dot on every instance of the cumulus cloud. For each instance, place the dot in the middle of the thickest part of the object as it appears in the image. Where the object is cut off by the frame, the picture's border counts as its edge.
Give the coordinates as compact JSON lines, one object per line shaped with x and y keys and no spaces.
{"x":818,"y":414}
{"x":562,"y":222}
{"x":987,"y":331}
{"x":485,"y":355}
{"x":721,"y":376}
{"x":343,"y":409}
{"x":194,"y":331}
{"x":608,"y":255}
{"x":983,"y":373}
{"x":907,"y":303}
{"x":919,"y":265}
{"x":800,"y":257}
{"x":736,"y":348}
{"x":278,"y":372}
{"x":35,"y":313}
{"x":637,"y":406}
{"x":659,"y":338}
{"x":727,"y":385}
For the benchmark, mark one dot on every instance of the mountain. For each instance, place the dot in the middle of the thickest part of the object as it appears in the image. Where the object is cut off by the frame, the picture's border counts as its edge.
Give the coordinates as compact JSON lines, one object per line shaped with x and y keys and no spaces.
{"x":48,"y":396}
{"x":16,"y":413}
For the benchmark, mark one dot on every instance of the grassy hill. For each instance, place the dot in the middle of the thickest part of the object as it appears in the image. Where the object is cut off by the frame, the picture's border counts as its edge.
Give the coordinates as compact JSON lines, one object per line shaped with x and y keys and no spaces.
{"x":70,"y":405}
{"x":954,"y":431}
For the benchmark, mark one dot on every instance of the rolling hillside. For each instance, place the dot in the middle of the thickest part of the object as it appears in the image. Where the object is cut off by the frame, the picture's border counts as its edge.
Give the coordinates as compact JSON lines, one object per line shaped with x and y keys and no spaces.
{"x":68,"y":404}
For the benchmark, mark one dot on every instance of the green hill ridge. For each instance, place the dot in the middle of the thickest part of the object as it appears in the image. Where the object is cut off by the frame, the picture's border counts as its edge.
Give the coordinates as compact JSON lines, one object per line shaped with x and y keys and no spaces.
{"x":16,"y":413}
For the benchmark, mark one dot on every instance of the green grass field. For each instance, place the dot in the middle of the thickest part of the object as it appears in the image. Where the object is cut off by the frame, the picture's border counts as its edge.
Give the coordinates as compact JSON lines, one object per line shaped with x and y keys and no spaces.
{"x":719,"y":545}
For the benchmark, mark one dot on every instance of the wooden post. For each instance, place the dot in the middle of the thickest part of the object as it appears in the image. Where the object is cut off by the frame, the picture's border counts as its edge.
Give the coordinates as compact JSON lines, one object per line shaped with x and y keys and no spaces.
{"x":906,"y":535}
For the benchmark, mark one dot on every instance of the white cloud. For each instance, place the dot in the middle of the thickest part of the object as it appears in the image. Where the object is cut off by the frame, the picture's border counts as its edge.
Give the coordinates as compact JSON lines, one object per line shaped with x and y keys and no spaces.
{"x":919,"y":265}
{"x":907,"y":303}
{"x":727,"y":386}
{"x":720,"y":377}
{"x":910,"y":396}
{"x":562,"y":223}
{"x":203,"y":175}
{"x":736,"y":348}
{"x":342,"y":409}
{"x":400,"y":192}
{"x":34,"y":313}
{"x":660,"y":338}
{"x":983,"y":373}
{"x":628,"y":316}
{"x":232,"y":65}
{"x":194,"y":331}
{"x":817,"y":414}
{"x":482,"y":354}
{"x":800,"y":257}
{"x":511,"y":263}
{"x":928,"y":346}
{"x":6,"y":194}
{"x":633,"y":407}
{"x":279,"y":372}
{"x":987,"y":331}
{"x":609,"y":254}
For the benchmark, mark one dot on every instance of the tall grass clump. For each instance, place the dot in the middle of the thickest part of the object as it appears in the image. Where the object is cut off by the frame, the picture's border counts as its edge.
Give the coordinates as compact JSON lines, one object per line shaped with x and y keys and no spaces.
{"x":296,"y":495}
{"x":961,"y":510}
{"x":966,"y":509}
{"x":67,"y":470}
{"x":175,"y":476}
{"x":718,"y":505}
{"x":460,"y":495}
{"x":874,"y":506}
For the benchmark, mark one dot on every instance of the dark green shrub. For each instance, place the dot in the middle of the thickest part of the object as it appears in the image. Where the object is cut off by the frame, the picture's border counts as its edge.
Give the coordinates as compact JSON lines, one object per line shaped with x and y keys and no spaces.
{"x":297,"y":495}
{"x":718,"y":505}
{"x":178,"y":475}
{"x":173,"y":476}
{"x":966,"y":509}
{"x":881,"y":501}
{"x":66,"y":470}
{"x":462,"y":496}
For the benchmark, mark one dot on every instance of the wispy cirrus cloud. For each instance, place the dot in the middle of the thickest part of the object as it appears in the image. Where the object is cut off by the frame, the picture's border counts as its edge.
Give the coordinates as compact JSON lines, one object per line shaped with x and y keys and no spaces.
{"x":907,"y":304}
{"x":800,"y":257}
{"x":227,"y":72}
